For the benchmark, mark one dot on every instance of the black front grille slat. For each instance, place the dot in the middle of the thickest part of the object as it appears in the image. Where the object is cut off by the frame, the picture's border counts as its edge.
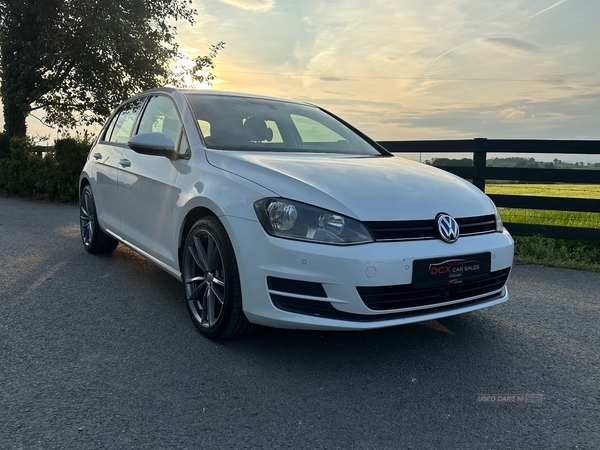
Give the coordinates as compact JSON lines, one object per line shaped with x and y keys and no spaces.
{"x":427,"y":229}
{"x":476,"y":225}
{"x":383,"y":298}
{"x":413,"y":229}
{"x":296,"y":287}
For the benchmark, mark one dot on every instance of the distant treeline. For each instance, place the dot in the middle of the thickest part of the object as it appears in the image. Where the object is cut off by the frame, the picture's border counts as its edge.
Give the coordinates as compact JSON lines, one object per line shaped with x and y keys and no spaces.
{"x":514,"y":162}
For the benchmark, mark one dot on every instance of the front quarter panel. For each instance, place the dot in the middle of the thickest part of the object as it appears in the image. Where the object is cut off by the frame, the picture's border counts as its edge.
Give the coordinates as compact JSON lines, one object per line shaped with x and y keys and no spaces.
{"x":218,"y":192}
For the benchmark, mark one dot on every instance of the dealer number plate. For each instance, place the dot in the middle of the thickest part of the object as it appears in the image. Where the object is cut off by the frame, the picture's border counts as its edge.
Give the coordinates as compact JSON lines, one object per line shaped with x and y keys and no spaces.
{"x":450,"y":270}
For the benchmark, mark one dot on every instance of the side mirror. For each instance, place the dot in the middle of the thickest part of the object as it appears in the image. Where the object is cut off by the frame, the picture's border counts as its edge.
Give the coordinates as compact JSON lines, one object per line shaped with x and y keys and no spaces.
{"x":157,"y":144}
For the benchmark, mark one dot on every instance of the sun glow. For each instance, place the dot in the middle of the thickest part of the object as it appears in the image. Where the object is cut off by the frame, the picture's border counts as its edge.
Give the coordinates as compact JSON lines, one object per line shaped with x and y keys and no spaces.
{"x":185,"y":80}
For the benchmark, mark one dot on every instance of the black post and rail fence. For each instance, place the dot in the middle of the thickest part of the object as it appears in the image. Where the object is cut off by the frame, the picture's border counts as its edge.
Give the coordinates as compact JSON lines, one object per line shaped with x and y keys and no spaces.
{"x":479,"y":173}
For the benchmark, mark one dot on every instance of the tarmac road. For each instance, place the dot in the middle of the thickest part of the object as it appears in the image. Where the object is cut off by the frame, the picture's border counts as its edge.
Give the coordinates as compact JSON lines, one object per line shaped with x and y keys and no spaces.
{"x":98,"y":352}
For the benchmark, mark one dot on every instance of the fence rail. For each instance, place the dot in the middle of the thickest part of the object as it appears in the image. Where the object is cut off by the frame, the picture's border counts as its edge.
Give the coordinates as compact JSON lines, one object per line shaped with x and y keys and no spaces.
{"x":479,"y":173}
{"x":40,"y":150}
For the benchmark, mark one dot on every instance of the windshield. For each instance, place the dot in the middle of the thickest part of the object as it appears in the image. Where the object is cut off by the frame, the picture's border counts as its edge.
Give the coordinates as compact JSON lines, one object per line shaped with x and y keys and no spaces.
{"x":244,"y":123}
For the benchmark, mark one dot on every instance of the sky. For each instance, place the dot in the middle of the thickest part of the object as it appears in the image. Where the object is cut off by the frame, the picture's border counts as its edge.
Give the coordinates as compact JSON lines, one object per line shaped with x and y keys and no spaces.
{"x":414,"y":69}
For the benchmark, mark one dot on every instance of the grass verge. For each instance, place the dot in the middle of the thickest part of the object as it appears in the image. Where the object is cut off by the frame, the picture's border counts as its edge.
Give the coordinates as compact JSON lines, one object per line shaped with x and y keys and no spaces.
{"x":561,"y":253}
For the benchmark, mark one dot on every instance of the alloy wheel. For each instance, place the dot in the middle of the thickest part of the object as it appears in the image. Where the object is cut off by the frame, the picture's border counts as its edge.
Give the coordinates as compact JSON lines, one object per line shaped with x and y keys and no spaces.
{"x":204,"y":278}
{"x":87,"y":218}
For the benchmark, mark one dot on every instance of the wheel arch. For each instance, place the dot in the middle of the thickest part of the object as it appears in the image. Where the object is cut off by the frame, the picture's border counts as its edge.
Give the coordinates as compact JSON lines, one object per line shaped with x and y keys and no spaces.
{"x":190,"y":219}
{"x":83,"y":183}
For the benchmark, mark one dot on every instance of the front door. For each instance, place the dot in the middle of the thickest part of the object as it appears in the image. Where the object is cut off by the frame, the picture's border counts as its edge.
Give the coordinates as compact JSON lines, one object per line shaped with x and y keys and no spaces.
{"x":147,"y":186}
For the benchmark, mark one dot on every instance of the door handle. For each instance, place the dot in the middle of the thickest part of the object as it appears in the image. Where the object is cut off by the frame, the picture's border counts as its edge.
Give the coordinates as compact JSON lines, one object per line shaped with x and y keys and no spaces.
{"x":125,"y":162}
{"x":97,"y":155}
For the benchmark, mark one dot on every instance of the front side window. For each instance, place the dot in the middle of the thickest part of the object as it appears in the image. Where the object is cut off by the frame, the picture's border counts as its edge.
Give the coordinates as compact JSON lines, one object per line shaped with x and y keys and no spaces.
{"x":161,"y":116}
{"x":253,"y":124}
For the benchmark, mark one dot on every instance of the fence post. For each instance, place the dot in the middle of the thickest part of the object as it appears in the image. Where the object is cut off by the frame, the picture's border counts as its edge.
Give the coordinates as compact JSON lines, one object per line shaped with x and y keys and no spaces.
{"x":479,"y":158}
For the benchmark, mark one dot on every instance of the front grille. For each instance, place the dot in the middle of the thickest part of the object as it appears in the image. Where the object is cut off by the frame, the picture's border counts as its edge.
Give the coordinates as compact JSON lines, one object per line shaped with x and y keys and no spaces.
{"x":476,"y":225}
{"x":407,"y":230}
{"x":382,"y":298}
{"x":296,"y":287}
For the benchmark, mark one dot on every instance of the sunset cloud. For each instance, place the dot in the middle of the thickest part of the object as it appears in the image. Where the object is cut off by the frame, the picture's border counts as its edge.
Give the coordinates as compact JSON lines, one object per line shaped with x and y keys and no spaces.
{"x":514,"y":44}
{"x":251,"y":5}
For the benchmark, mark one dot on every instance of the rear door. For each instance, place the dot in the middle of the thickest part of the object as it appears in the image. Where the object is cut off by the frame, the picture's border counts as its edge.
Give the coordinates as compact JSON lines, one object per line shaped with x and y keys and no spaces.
{"x":107,"y":154}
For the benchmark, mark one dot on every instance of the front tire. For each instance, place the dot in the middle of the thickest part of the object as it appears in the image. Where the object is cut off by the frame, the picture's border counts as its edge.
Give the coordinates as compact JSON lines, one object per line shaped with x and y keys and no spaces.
{"x":94,"y":239}
{"x":212,"y":283}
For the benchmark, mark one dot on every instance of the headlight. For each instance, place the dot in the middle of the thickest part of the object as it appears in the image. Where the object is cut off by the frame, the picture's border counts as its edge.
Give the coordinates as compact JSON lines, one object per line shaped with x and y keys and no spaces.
{"x":499,"y":224}
{"x":294,"y":220}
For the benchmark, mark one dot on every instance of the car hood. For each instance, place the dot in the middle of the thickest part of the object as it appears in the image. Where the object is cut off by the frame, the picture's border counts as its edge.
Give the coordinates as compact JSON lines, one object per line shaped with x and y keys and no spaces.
{"x":363,"y":187}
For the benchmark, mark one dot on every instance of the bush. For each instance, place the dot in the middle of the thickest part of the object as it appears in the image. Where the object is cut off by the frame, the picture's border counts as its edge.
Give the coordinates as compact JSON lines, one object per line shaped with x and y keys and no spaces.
{"x":52,"y":177}
{"x":68,"y":157}
{"x":4,"y":146}
{"x":71,"y":154}
{"x":16,"y":173}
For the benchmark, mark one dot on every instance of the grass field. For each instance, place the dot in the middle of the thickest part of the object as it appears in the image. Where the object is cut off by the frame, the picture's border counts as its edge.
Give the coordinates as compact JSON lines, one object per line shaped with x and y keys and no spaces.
{"x":553,"y":252}
{"x":543,"y":217}
{"x":547,"y":190}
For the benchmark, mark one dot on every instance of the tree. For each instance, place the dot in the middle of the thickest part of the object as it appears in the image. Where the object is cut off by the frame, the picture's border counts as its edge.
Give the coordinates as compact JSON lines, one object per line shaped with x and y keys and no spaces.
{"x":77,"y":59}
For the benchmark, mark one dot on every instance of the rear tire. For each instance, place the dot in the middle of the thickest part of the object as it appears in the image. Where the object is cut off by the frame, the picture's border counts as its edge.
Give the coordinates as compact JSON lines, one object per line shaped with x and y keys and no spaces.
{"x":94,"y":239}
{"x":212,"y":284}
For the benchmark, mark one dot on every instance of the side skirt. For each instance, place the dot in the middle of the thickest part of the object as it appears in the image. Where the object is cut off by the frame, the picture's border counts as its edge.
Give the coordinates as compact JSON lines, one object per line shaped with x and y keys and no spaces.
{"x":151,"y":258}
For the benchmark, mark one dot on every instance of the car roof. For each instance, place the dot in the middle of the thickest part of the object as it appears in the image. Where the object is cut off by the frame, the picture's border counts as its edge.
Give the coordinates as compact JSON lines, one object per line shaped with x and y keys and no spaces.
{"x":211,"y":92}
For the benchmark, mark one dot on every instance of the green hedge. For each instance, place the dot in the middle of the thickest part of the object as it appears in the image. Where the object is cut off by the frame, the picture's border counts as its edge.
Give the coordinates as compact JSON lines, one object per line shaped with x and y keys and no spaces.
{"x":52,"y":177}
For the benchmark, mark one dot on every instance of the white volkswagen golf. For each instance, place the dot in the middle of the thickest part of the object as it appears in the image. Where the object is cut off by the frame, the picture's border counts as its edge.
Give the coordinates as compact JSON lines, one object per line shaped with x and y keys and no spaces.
{"x":278,"y":213}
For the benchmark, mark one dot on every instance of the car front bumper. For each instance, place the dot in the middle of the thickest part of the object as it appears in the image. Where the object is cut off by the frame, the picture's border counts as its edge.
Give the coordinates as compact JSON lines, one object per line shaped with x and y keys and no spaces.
{"x":303,"y":285}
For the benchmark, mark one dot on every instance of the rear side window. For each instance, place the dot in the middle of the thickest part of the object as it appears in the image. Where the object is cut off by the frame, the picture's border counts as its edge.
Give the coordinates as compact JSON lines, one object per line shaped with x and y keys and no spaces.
{"x":272,"y":125}
{"x":204,"y":127}
{"x":122,"y":123}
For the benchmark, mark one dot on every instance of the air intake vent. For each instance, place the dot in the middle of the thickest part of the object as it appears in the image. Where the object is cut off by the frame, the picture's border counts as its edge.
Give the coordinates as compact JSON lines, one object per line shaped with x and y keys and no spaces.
{"x":382,"y":298}
{"x":303,"y":306}
{"x":296,"y":287}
